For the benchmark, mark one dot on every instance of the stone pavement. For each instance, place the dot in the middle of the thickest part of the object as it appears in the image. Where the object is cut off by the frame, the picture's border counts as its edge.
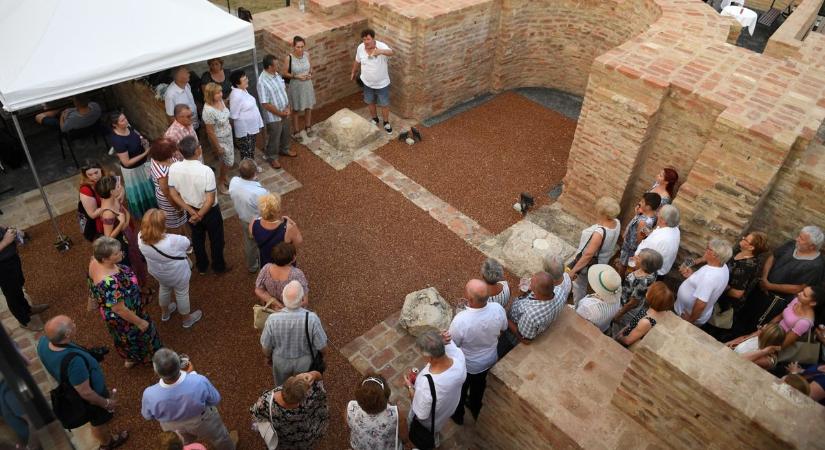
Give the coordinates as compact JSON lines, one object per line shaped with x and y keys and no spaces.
{"x":388,"y":350}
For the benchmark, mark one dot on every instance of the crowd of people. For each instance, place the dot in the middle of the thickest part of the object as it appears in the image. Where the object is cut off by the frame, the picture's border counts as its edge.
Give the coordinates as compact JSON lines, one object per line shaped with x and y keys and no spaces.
{"x":158,"y":212}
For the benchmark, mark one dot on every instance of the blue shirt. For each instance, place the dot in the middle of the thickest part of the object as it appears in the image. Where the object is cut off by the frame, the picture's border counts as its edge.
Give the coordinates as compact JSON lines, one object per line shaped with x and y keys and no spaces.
{"x":184,"y":399}
{"x":78,"y":371}
{"x":244,"y":194}
{"x":272,"y":90}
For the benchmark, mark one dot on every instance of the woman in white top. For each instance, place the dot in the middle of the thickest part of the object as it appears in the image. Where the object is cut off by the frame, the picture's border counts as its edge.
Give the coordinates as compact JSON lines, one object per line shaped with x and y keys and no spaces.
{"x":761,"y":349}
{"x":245,"y":115}
{"x":374,"y":424}
{"x":599,"y":307}
{"x":498,"y":290}
{"x":219,"y":131}
{"x":597,"y":244}
{"x":166,"y":256}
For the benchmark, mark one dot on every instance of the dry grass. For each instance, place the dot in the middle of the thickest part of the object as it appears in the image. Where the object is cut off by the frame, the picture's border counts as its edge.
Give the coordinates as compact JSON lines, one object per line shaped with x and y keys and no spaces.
{"x":255,"y":6}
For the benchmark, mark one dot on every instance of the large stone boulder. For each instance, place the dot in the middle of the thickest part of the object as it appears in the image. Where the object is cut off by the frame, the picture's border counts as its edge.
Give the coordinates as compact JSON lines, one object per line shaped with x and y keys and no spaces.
{"x":425,"y":310}
{"x":347,"y":132}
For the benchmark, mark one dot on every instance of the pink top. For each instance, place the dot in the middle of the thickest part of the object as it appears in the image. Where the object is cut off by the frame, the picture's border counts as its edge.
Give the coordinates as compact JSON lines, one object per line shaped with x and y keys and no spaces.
{"x":790,"y":321}
{"x":194,"y":446}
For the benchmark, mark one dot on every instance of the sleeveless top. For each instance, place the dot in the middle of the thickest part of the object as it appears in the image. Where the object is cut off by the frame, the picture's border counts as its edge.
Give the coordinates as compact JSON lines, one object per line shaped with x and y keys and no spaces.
{"x":609,"y":238}
{"x":267,"y":239}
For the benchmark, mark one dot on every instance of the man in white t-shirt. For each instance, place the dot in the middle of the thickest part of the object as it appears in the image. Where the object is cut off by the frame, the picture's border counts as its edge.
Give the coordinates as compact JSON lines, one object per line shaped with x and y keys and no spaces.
{"x":700,"y":291}
{"x":371,"y":59}
{"x":192,"y":187}
{"x":664,"y":239}
{"x":446,"y":366}
{"x":178,"y":92}
{"x":475,"y":331}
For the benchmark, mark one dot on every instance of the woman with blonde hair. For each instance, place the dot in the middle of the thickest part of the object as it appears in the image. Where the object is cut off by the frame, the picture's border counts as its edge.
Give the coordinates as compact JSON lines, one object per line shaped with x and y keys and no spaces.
{"x":761,"y":349}
{"x":271,"y":228}
{"x":166,"y":256}
{"x":219,"y":131}
{"x":596,"y":245}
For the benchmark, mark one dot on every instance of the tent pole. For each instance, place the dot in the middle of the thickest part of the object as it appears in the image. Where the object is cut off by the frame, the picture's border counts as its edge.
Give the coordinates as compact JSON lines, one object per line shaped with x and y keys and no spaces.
{"x":255,"y":62}
{"x":63,"y":243}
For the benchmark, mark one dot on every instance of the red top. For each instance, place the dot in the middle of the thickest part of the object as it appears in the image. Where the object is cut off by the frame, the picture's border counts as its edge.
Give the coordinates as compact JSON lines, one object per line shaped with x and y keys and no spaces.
{"x":89,"y":192}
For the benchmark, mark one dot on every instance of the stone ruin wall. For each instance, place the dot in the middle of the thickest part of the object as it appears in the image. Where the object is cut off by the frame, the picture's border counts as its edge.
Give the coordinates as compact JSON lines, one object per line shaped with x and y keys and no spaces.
{"x":662,"y":85}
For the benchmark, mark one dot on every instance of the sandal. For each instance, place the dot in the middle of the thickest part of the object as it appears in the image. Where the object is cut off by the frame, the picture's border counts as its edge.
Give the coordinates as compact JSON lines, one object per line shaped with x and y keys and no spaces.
{"x":116,"y":441}
{"x":128,"y":364}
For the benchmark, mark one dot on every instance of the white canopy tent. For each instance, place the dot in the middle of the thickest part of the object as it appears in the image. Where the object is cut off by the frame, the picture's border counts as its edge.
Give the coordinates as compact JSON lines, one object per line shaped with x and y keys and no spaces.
{"x":53,"y":49}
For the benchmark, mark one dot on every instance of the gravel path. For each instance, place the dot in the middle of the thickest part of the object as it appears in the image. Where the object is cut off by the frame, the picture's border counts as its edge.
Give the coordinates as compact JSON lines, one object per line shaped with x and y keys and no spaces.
{"x":365,"y":248}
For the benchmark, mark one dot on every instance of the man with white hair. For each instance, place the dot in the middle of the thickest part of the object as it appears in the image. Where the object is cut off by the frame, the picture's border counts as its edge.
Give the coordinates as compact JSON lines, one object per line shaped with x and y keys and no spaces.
{"x":792,"y":267}
{"x":185,"y":403}
{"x":562,"y":284}
{"x":701,"y":289}
{"x":665,"y":238}
{"x":286,"y":335}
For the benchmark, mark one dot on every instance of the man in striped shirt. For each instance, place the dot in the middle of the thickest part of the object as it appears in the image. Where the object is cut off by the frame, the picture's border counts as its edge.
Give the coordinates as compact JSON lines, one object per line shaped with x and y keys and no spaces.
{"x":530,"y":315}
{"x":276,"y":110}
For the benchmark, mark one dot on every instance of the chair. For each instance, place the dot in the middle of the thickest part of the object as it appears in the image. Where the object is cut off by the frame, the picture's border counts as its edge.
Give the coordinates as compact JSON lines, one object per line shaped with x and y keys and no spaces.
{"x":770,"y":15}
{"x":92,"y":130}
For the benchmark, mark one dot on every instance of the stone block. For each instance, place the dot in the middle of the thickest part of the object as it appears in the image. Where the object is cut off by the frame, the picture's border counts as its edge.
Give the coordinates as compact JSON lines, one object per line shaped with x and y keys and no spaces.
{"x":425,"y":310}
{"x":522,"y":247}
{"x":347,"y":131}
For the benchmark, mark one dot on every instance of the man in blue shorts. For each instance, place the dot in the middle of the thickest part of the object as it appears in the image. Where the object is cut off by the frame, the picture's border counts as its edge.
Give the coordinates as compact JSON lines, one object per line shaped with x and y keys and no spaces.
{"x":371,"y":59}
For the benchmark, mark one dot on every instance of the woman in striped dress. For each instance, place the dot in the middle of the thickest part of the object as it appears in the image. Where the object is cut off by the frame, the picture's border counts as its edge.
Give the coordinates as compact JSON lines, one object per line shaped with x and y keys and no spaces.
{"x":164,"y":152}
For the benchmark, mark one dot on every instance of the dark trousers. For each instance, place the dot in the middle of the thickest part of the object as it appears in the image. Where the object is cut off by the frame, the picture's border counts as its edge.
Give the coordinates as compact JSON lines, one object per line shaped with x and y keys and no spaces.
{"x":11,"y":283}
{"x":212,"y":225}
{"x":277,"y":139}
{"x":506,"y":342}
{"x":472,"y":392}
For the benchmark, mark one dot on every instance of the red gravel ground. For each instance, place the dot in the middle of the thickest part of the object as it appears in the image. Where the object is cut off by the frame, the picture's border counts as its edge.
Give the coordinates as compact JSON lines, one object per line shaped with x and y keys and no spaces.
{"x":480,"y":160}
{"x":365,"y":248}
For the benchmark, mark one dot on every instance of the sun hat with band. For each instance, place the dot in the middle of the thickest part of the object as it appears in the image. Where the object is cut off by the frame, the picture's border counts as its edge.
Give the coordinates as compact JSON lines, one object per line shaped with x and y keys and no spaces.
{"x":605,"y":281}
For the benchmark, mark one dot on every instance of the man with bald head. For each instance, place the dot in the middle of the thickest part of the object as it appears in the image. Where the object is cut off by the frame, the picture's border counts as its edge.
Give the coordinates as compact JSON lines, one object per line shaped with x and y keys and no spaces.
{"x":529,"y":315}
{"x":475,"y":331}
{"x":82,"y":372}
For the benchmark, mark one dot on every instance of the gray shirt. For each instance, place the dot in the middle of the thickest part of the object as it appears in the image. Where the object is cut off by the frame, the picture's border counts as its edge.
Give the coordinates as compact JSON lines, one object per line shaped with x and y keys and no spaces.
{"x":74,"y":120}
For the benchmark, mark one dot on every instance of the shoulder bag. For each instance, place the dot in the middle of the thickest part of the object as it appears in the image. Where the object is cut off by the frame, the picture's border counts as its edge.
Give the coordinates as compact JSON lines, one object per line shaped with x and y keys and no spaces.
{"x":177,"y":258}
{"x":318,"y":363}
{"x":595,"y":257}
{"x":266,"y":429}
{"x":804,"y":351}
{"x":420,"y":436}
{"x":68,"y":405}
{"x":286,"y":80}
{"x":88,"y":227}
{"x":260,"y":314}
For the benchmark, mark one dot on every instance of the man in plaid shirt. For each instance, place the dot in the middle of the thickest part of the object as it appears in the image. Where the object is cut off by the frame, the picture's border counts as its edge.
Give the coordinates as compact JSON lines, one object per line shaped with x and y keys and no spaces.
{"x":528,"y":316}
{"x":276,"y":111}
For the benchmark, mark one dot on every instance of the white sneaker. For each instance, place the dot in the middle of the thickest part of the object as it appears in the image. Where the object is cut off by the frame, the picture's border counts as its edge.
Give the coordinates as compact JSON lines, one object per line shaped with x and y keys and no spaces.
{"x":304,"y":136}
{"x":193,"y":318}
{"x":172,"y":308}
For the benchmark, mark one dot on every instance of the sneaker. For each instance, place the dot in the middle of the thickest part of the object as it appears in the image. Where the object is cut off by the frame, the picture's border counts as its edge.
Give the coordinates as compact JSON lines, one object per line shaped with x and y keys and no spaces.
{"x":193,"y":318}
{"x":388,"y":127}
{"x":172,"y":308}
{"x":304,"y":136}
{"x":375,"y":121}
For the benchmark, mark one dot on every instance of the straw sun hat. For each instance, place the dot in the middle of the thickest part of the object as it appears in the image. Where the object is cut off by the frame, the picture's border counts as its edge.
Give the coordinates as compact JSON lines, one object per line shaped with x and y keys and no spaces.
{"x":605,"y":281}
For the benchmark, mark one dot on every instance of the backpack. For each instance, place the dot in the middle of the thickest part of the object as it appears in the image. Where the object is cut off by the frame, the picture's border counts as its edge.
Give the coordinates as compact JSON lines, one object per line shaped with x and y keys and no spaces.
{"x":69,"y":407}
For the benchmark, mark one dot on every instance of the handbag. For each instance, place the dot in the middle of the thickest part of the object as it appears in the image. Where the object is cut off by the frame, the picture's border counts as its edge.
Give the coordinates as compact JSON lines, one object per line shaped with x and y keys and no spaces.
{"x":767,"y":316}
{"x":804,"y":351}
{"x":721,"y":319}
{"x":88,"y":227}
{"x":260,"y":314}
{"x":266,"y":429}
{"x":286,"y":80}
{"x":67,"y":404}
{"x":318,"y":364}
{"x":420,"y":436}
{"x":595,"y":257}
{"x":177,"y":258}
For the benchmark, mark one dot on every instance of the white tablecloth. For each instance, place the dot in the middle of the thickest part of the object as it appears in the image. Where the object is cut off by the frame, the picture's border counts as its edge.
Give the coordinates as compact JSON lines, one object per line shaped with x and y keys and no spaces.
{"x":746,"y":17}
{"x":726,"y":3}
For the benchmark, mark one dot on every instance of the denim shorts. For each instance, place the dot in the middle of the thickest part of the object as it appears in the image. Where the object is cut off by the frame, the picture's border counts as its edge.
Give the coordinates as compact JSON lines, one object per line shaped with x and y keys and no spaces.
{"x":382,"y":94}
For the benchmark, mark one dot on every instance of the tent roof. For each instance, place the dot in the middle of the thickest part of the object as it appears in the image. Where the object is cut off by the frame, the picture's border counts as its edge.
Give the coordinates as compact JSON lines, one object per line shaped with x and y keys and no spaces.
{"x":57,"y":48}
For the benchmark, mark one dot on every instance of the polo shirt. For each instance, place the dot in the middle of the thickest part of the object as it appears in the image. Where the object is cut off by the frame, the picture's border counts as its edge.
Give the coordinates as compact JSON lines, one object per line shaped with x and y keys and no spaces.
{"x":193,"y":180}
{"x":184,"y":399}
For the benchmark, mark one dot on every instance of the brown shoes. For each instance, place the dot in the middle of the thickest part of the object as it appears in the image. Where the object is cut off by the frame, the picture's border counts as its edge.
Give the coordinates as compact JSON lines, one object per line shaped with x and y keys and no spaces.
{"x":37,"y":309}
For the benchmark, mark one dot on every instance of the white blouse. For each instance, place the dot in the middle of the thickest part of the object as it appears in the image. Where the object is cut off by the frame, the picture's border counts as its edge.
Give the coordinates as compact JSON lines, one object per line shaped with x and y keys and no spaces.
{"x":243,"y":110}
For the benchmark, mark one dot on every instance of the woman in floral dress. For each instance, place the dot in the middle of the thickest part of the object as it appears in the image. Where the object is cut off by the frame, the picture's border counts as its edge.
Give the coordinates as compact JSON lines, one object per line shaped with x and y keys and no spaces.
{"x":374,"y":424}
{"x":299,"y":412}
{"x":115,"y":288}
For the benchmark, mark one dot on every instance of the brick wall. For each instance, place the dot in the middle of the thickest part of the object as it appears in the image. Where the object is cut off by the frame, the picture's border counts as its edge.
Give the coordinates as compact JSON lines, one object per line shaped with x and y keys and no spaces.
{"x":330,"y":43}
{"x":786,"y":41}
{"x":145,"y":113}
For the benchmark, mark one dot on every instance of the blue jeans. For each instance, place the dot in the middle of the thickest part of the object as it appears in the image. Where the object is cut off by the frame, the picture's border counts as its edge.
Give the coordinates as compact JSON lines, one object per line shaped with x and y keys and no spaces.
{"x":382,"y":95}
{"x":13,"y":412}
